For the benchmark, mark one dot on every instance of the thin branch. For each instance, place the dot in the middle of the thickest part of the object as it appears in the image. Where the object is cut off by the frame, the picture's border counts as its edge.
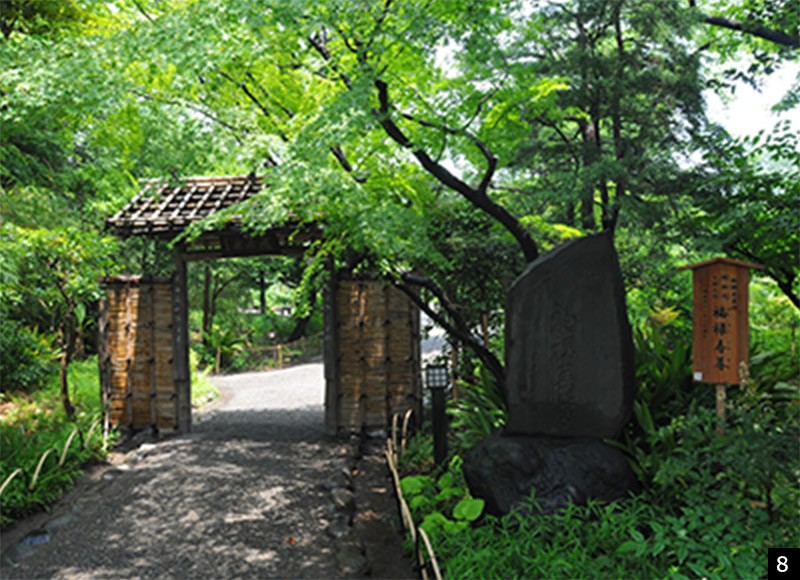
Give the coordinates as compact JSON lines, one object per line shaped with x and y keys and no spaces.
{"x":456,"y":329}
{"x":208,"y":115}
{"x":257,"y":102}
{"x":775,"y":36}
{"x":141,"y":9}
{"x":491,"y":160}
{"x":286,"y":111}
{"x":319,"y":44}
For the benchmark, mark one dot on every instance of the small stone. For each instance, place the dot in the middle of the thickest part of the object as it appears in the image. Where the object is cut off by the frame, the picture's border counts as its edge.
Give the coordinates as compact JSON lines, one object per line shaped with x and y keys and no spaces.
{"x":344,"y":501}
{"x":351,"y":559}
{"x":341,"y":478}
{"x":338,"y":528}
{"x":59,"y":522}
{"x":36,"y":538}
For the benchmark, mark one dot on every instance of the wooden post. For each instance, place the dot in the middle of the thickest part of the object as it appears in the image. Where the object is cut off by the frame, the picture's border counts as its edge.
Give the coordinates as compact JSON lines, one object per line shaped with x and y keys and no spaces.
{"x":103,"y":359}
{"x":330,"y":353}
{"x":130,"y":346}
{"x":439,"y":420}
{"x":721,"y":401}
{"x":151,"y":358}
{"x":180,"y":342}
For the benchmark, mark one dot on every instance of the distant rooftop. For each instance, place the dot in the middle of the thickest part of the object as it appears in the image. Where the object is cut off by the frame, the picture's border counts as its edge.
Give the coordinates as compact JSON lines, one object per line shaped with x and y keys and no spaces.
{"x":165,"y":208}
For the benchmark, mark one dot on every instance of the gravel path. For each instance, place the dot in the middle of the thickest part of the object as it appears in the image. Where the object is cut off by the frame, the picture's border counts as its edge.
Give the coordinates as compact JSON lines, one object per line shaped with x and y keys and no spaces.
{"x":243,"y":496}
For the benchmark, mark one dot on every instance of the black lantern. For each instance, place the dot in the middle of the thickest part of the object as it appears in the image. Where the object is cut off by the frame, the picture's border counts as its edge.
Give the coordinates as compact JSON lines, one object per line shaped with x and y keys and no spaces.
{"x":437,"y":378}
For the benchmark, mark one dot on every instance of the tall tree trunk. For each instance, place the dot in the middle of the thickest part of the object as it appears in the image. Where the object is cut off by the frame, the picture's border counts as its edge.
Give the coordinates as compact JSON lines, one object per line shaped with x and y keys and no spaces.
{"x":67,"y":349}
{"x":300,"y":327}
{"x":588,"y":184}
{"x":610,"y":217}
{"x":299,"y":330}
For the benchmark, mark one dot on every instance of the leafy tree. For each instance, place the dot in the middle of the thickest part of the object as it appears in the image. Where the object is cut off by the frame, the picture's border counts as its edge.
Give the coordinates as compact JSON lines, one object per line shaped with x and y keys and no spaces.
{"x":374,"y":118}
{"x":51,"y":280}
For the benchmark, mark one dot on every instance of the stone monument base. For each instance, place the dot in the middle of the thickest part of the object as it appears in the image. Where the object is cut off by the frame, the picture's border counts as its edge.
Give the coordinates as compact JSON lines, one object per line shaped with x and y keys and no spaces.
{"x":503,"y":470}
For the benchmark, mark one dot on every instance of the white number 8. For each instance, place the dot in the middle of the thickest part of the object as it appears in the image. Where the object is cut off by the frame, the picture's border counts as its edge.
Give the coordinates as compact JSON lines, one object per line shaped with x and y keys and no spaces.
{"x":783,"y":564}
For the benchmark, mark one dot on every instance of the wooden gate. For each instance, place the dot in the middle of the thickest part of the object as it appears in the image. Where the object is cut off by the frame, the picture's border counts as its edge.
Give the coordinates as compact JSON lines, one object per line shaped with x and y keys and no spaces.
{"x":372,"y":356}
{"x":137,"y":352}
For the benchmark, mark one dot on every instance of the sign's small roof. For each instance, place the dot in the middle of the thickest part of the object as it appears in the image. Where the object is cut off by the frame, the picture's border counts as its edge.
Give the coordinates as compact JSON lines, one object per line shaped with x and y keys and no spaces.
{"x":721,"y":260}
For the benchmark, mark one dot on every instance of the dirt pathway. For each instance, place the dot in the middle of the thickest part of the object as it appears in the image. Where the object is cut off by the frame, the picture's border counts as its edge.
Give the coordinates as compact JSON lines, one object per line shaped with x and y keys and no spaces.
{"x":248,"y":494}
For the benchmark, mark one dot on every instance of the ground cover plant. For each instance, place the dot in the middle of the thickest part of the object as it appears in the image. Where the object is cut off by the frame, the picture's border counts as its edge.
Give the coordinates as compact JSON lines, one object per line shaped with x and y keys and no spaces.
{"x":34,"y":424}
{"x":711,"y":507}
{"x":710,"y":504}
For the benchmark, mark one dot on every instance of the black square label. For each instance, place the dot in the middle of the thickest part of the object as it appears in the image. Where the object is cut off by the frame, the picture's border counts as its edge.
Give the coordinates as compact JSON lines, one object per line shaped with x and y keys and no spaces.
{"x":784,"y":563}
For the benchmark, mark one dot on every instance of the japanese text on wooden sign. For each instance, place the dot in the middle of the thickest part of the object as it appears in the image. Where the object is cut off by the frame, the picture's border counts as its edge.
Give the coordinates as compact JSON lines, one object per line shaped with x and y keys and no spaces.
{"x":721,"y":333}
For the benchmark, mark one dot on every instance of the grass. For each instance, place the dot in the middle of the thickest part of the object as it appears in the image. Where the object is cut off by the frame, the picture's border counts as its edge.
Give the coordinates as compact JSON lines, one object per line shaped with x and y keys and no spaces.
{"x":203,"y":392}
{"x":45,"y":450}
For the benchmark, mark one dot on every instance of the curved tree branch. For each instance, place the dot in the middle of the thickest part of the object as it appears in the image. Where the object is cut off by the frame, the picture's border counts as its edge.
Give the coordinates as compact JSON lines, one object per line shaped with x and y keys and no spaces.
{"x":775,"y":36}
{"x":456,"y":326}
{"x":477,"y":197}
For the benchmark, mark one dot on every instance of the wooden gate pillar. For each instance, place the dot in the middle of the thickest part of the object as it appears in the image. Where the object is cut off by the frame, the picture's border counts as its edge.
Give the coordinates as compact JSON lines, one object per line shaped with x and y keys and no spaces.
{"x":136,"y":353}
{"x":181,"y":371}
{"x":372,"y":355}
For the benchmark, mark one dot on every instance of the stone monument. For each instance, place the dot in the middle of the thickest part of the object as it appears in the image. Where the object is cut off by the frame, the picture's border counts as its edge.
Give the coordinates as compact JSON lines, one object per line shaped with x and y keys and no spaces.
{"x":569,"y":384}
{"x":569,"y":351}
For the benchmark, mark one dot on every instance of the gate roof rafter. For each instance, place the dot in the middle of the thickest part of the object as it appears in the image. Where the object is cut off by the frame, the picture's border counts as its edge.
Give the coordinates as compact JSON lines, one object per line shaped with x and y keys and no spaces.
{"x":164,"y":209}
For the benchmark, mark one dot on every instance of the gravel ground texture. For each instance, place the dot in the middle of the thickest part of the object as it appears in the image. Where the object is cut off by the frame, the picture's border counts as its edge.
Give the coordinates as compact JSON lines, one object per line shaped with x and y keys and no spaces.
{"x":246,"y":495}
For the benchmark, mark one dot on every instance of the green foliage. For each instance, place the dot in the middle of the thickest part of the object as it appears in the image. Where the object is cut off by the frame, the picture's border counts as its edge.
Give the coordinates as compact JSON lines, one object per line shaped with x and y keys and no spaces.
{"x":203,"y":391}
{"x":741,"y":200}
{"x":477,"y":412}
{"x":26,"y":357}
{"x":32,"y":424}
{"x":713,"y":506}
{"x":663,"y":367}
{"x":442,"y":506}
{"x":418,"y":456}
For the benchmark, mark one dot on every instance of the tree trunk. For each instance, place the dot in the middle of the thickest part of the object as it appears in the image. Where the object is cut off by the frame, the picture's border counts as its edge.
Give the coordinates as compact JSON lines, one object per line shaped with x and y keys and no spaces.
{"x":588,"y":184}
{"x":299,"y":330}
{"x":67,"y":347}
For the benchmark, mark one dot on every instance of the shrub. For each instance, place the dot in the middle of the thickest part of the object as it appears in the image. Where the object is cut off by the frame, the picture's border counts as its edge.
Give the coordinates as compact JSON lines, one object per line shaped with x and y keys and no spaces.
{"x":26,"y":357}
{"x":32,"y":425}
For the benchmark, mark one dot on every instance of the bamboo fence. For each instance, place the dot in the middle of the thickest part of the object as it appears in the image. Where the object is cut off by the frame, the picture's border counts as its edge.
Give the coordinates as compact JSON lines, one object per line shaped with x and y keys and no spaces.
{"x":423,"y":549}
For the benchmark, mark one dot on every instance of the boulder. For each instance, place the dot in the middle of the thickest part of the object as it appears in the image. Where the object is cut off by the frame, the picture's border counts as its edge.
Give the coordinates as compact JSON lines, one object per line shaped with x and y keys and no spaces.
{"x":504,"y":470}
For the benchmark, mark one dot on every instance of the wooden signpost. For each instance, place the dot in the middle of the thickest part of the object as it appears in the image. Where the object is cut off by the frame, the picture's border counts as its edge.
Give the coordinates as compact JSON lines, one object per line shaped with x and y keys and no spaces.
{"x":721,"y":329}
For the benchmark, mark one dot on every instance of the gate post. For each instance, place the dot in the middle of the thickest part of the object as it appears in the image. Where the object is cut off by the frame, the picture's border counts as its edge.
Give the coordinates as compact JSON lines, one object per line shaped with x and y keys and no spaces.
{"x":180,"y":336}
{"x":330,"y":350}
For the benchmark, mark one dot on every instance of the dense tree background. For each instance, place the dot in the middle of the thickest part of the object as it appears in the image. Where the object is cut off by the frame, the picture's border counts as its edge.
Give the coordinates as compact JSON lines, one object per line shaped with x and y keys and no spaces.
{"x":443,"y":145}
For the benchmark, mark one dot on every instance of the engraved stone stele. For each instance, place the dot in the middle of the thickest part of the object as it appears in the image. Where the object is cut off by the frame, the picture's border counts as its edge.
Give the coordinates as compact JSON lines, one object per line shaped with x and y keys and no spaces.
{"x":569,"y":349}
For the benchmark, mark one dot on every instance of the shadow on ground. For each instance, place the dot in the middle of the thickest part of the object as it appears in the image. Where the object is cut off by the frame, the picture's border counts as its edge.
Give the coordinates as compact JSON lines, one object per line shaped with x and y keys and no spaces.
{"x":241,"y":497}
